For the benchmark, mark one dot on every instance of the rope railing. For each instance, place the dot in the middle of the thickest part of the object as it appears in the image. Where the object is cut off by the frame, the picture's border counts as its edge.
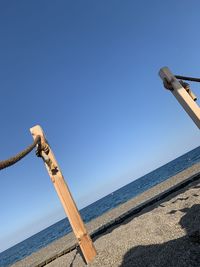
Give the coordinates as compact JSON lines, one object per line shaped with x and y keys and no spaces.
{"x":43,"y":150}
{"x":187,"y":78}
{"x":12,"y":160}
{"x":186,"y":86}
{"x":182,"y":92}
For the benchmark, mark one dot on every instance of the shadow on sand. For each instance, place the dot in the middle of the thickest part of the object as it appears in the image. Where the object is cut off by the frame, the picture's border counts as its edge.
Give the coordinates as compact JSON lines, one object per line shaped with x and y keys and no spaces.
{"x":181,"y":252}
{"x":136,"y":212}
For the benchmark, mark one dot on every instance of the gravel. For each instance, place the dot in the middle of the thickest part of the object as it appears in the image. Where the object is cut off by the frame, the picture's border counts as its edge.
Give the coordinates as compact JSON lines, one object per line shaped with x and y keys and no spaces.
{"x":163,"y":234}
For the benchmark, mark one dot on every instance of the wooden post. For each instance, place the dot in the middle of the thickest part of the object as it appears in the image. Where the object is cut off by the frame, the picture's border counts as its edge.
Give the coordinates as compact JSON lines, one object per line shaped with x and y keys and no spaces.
{"x":66,"y":199}
{"x":182,"y":95}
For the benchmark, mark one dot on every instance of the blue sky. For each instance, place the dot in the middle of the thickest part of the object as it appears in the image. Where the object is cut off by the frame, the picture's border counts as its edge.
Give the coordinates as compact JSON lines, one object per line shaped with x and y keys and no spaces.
{"x":87,"y":72}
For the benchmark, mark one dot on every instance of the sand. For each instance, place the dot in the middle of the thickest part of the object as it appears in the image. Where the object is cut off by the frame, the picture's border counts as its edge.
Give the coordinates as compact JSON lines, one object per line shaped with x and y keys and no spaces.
{"x":164,"y":233}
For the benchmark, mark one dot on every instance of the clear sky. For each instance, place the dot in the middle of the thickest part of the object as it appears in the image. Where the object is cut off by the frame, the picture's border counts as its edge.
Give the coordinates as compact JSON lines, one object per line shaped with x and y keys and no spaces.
{"x":87,"y":72}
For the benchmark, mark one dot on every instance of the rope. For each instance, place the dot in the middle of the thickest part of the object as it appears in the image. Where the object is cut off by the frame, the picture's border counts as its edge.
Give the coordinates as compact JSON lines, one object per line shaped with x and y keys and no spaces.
{"x":187,"y":78}
{"x":168,"y":85}
{"x":6,"y":163}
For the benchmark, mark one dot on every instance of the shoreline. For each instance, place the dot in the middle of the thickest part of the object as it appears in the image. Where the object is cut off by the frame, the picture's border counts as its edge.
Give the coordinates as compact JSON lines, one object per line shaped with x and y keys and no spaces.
{"x":116,"y":216}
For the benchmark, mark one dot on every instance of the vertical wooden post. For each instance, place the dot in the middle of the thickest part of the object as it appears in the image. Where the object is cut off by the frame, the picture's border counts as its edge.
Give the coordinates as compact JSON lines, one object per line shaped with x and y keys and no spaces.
{"x":67,"y":201}
{"x":181,"y":95}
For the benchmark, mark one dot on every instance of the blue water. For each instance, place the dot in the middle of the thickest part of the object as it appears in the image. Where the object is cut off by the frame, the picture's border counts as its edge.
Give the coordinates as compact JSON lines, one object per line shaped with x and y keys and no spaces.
{"x":97,"y":208}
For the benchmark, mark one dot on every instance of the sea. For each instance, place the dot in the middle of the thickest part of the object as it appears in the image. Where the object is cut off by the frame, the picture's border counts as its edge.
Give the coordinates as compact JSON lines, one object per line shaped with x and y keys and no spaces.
{"x":61,"y":228}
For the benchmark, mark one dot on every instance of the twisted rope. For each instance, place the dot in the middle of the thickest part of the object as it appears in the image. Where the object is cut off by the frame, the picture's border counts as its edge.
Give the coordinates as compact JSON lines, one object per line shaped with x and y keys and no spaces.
{"x":6,"y":163}
{"x":187,"y":78}
{"x":168,"y":85}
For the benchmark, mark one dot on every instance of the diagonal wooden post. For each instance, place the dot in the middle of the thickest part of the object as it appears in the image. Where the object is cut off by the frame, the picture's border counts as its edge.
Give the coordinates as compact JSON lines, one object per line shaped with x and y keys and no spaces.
{"x":66,"y":199}
{"x":181,"y":95}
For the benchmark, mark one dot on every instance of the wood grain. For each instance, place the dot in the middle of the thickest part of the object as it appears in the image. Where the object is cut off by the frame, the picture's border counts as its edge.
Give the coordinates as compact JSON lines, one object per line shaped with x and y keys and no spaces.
{"x":67,"y":201}
{"x":181,"y":95}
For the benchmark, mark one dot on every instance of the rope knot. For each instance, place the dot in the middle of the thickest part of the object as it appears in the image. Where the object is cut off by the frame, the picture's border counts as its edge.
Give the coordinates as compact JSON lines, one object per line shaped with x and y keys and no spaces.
{"x":167,"y":84}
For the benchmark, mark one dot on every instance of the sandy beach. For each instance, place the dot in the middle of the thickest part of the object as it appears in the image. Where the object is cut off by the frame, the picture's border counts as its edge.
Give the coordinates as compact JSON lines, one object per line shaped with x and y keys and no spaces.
{"x":163,"y":231}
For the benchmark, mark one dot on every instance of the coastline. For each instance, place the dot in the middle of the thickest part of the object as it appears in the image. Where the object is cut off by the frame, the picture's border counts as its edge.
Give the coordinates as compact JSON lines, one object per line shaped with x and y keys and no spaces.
{"x":97,"y":227}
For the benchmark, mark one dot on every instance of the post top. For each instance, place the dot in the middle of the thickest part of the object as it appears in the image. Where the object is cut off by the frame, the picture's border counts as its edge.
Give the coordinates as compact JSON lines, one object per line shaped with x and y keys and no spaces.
{"x":37,"y":130}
